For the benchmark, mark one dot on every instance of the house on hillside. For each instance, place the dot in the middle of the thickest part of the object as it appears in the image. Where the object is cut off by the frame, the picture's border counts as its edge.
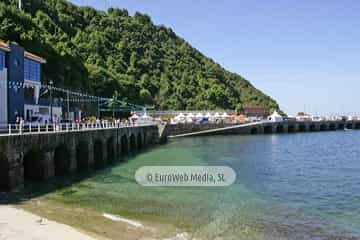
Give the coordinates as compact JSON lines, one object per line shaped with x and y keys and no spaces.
{"x":256,"y":112}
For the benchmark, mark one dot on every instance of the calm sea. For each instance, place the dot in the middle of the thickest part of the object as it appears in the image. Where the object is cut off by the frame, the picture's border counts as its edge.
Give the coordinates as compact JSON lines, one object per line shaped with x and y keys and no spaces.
{"x":290,"y":186}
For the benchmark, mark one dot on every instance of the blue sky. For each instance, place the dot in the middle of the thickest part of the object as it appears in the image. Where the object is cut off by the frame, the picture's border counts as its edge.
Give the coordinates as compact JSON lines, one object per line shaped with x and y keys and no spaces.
{"x":305,"y":54}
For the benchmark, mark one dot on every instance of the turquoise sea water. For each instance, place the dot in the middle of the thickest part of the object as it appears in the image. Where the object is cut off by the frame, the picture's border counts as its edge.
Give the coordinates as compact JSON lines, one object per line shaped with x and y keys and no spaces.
{"x":290,"y":186}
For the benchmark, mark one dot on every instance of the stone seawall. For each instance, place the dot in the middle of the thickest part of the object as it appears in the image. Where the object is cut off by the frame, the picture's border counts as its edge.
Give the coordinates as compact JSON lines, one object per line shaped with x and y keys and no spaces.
{"x":38,"y":157}
{"x":188,"y":130}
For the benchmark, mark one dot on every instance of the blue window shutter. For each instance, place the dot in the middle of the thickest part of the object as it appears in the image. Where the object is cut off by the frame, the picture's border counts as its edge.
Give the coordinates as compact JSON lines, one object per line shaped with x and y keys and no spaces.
{"x":2,"y":60}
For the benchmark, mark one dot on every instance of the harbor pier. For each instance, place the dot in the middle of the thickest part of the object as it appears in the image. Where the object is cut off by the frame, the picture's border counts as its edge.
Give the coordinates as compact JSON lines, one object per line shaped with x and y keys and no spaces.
{"x":265,"y":127}
{"x":38,"y":156}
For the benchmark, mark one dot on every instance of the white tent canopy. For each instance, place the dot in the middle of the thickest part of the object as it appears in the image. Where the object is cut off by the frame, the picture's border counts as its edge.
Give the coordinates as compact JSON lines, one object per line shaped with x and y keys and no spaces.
{"x":224,"y":115}
{"x":275,"y":117}
{"x":189,"y":120}
{"x":180,"y":116}
{"x":190,"y":115}
{"x":216,"y":115}
{"x":199,"y":115}
{"x":145,"y":116}
{"x":208,"y":115}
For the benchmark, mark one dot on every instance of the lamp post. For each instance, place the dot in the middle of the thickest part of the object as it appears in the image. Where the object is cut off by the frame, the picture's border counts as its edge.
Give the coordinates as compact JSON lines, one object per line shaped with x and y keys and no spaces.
{"x":68,"y":105}
{"x":51,"y":101}
{"x":98,"y":108}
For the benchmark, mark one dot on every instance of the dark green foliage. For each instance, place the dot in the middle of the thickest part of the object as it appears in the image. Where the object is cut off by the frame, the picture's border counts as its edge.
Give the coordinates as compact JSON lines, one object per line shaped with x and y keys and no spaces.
{"x":102,"y":53}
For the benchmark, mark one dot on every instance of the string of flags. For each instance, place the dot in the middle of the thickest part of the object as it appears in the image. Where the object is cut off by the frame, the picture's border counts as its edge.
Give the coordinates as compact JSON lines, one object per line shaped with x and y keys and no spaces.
{"x":78,"y":100}
{"x":75,"y":96}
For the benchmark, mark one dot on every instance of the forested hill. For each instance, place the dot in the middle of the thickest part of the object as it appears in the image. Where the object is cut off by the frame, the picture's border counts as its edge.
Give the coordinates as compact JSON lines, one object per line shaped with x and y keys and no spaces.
{"x":103,"y":52}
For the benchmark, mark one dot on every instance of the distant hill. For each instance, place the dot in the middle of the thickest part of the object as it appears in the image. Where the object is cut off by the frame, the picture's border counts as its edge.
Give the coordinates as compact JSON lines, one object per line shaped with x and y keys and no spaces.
{"x":101,"y":52}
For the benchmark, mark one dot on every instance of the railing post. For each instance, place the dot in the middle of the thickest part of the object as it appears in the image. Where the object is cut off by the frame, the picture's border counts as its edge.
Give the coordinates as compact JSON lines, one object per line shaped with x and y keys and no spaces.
{"x":9,"y":129}
{"x":30,"y":128}
{"x":39,"y":129}
{"x":47,"y":128}
{"x":20,"y":129}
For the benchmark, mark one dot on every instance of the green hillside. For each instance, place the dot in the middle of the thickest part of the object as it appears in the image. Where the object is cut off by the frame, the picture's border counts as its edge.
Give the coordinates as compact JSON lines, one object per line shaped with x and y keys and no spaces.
{"x":101,"y":53}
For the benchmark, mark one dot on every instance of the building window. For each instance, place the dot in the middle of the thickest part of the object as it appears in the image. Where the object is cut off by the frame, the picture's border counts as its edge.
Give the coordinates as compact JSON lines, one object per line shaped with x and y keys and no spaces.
{"x":31,"y":70}
{"x":2,"y":60}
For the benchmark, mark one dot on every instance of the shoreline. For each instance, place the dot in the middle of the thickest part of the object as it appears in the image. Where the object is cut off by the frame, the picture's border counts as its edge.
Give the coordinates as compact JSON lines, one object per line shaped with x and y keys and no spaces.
{"x":71,"y":222}
{"x":19,"y":224}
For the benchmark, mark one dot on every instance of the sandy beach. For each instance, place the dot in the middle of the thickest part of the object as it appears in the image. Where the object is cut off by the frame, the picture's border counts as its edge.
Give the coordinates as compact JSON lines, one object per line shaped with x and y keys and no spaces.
{"x":30,"y":221}
{"x":21,"y":225}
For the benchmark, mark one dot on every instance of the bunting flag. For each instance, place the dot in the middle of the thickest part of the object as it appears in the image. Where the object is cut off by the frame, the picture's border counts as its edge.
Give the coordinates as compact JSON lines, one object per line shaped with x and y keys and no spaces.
{"x":75,"y":96}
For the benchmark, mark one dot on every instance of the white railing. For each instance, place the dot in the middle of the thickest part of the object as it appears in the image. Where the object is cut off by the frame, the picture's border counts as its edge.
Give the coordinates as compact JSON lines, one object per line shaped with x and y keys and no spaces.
{"x":25,"y":129}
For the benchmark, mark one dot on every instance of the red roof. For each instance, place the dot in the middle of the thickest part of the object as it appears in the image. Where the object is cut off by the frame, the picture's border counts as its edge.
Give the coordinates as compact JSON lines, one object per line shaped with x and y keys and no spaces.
{"x":254,"y":107}
{"x":34,"y":57}
{"x":4,"y":46}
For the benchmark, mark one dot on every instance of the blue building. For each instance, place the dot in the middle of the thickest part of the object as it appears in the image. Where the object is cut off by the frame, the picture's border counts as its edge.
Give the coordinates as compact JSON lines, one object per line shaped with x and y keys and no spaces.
{"x":20,"y":84}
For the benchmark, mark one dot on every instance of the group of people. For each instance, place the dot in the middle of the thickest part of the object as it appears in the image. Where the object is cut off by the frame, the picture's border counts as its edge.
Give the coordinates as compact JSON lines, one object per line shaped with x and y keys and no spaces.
{"x":104,"y":122}
{"x":19,"y":121}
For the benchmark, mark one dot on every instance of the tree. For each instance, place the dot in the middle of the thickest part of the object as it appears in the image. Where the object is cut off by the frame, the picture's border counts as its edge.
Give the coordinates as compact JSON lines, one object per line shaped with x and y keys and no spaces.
{"x":103,"y":52}
{"x":145,"y":96}
{"x":239,"y":108}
